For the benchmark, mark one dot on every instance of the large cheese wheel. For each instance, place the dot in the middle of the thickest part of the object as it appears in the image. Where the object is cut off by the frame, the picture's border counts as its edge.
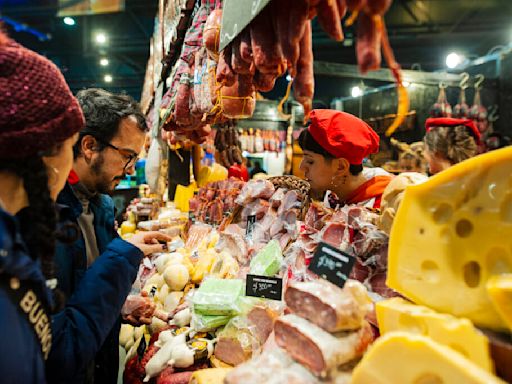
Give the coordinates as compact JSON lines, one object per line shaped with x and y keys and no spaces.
{"x":451,"y":234}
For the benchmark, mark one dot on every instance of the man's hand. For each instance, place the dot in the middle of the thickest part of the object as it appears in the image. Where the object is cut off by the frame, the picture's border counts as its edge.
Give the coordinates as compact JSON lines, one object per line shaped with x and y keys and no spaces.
{"x":150,"y":242}
{"x":138,"y":310}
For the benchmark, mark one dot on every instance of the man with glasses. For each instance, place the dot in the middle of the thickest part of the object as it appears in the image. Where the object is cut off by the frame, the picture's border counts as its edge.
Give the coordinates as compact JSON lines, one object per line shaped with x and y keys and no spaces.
{"x":105,"y":152}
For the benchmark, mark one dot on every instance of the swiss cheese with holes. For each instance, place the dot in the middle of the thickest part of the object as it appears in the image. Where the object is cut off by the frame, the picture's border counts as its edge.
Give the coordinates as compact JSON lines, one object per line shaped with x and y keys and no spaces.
{"x":451,"y":234}
{"x":397,"y":314}
{"x":499,"y":288}
{"x":406,"y":358}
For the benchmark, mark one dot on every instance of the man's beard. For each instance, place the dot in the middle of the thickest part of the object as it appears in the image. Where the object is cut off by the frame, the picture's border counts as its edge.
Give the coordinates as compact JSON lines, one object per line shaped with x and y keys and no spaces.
{"x":103,"y":183}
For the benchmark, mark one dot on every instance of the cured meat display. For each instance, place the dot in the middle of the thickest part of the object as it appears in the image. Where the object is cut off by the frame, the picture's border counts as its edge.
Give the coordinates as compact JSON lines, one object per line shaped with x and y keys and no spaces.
{"x":274,"y":42}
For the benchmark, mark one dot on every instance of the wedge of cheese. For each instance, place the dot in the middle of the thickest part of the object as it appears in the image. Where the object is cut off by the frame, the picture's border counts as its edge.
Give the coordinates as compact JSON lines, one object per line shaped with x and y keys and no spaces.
{"x":451,"y":234}
{"x":405,"y":358}
{"x":397,"y":314}
{"x":499,"y":288}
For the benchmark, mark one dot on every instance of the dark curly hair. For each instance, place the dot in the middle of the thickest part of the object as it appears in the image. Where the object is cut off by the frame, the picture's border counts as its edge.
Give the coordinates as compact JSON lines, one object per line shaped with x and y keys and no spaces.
{"x":308,"y":143}
{"x":104,"y":112}
{"x":455,"y":144}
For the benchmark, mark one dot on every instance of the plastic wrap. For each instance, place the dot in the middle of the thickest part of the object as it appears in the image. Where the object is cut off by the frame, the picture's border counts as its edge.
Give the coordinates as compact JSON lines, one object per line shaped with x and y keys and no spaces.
{"x":255,"y":189}
{"x":328,"y":306}
{"x":272,"y":366}
{"x":268,"y":261}
{"x":204,"y":323}
{"x":218,"y":297}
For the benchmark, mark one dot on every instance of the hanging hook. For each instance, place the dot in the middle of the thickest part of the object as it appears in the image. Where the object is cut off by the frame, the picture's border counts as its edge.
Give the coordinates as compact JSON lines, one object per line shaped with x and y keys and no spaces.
{"x":479,"y":80}
{"x":442,"y":85}
{"x":464,"y":80}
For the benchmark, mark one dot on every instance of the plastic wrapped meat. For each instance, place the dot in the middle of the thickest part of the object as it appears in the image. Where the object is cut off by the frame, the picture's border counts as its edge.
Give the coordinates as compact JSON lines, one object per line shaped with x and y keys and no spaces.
{"x":272,"y":366}
{"x":258,"y":208}
{"x":254,"y":189}
{"x":328,"y":306}
{"x":290,"y":200}
{"x":235,"y":245}
{"x":316,"y":349}
{"x":333,"y":233}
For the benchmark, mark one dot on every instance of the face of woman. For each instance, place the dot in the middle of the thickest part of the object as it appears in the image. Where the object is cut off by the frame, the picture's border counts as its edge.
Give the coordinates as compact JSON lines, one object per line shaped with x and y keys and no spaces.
{"x":436,"y":163}
{"x":318,"y":170}
{"x":59,"y":165}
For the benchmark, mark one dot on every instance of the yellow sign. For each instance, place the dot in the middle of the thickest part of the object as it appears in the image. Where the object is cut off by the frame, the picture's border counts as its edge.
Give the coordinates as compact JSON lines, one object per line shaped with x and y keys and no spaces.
{"x":89,"y":7}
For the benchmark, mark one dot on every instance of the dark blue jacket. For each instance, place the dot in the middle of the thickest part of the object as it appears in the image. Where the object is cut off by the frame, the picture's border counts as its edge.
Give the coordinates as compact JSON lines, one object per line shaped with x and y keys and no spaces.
{"x":21,"y":359}
{"x":87,"y":330}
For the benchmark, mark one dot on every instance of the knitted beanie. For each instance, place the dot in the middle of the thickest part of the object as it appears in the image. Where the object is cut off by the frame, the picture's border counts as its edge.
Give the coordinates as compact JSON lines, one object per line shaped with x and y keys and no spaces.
{"x":37,"y":108}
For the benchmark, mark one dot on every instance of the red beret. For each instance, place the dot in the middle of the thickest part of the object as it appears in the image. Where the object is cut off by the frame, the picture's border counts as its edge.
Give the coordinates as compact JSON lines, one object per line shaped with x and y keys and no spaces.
{"x":343,"y":135}
{"x":450,"y":122}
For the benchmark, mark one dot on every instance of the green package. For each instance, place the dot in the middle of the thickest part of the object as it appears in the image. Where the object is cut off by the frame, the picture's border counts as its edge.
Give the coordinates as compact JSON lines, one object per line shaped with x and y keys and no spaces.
{"x":218,"y":297}
{"x":268,"y":261}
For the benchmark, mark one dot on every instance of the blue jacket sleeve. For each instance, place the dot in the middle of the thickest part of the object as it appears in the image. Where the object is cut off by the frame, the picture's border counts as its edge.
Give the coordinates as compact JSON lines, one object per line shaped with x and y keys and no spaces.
{"x":81,"y":327}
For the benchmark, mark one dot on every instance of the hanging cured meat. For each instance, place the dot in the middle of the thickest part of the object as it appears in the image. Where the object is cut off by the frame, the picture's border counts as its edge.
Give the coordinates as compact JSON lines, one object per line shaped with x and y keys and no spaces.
{"x":442,"y":107}
{"x":478,"y":112}
{"x":461,"y":109}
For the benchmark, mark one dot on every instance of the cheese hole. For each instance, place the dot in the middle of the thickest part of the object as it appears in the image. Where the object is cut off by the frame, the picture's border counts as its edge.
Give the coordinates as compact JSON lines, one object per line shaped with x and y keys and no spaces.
{"x":472,"y":274}
{"x":422,"y":231}
{"x":428,"y":378}
{"x":506,"y":209}
{"x":430,"y":271}
{"x":499,"y":261}
{"x":460,"y":349}
{"x":410,"y":324}
{"x":464,"y":228}
{"x":442,"y":213}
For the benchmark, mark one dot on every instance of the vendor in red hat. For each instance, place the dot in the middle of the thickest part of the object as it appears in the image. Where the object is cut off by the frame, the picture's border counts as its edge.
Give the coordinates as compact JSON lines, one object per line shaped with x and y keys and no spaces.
{"x":449,"y":141}
{"x":334,"y":145}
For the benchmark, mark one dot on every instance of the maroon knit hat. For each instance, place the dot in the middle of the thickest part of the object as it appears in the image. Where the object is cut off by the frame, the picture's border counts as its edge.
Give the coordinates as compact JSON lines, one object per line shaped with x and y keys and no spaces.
{"x":37,"y":108}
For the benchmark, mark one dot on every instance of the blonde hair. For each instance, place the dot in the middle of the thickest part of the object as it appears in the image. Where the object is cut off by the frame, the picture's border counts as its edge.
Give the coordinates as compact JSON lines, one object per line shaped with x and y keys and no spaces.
{"x":455,"y":144}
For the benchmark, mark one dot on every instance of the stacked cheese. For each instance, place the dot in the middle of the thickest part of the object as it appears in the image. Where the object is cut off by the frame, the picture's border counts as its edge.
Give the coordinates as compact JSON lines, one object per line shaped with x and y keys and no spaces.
{"x":450,"y":250}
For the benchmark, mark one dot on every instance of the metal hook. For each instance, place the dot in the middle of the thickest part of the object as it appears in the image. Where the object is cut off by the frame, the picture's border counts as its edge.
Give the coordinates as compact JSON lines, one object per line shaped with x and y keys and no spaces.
{"x":464,"y":80}
{"x":492,"y":113}
{"x":479,"y":80}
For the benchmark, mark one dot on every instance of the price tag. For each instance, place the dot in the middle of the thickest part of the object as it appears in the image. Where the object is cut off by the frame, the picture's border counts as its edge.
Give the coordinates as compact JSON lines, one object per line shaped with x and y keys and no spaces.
{"x":251,"y":221}
{"x":236,"y":15}
{"x":265,"y":287}
{"x":332,"y":264}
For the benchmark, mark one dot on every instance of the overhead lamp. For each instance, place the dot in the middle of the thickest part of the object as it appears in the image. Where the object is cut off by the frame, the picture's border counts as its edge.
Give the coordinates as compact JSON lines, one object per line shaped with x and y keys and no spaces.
{"x":100,"y":38}
{"x":108,"y":78}
{"x":454,"y":59}
{"x":69,"y":21}
{"x":356,"y":91}
{"x":104,"y":62}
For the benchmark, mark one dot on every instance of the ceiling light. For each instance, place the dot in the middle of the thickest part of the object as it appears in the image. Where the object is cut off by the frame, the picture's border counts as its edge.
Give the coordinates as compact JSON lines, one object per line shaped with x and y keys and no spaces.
{"x":454,"y":59}
{"x":288,"y":78}
{"x":104,"y":62}
{"x":108,"y":78}
{"x":356,"y":91}
{"x":101,"y":38}
{"x":69,"y":21}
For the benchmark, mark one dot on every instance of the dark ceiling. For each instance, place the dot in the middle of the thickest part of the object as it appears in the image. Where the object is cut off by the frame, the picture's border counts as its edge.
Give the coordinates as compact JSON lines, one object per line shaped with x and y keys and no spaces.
{"x":421,"y":31}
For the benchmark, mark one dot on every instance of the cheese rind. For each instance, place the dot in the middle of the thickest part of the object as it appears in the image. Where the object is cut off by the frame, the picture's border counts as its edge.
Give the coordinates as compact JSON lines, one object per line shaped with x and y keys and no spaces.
{"x":451,"y":234}
{"x":499,"y":288}
{"x":405,"y":358}
{"x":397,"y":314}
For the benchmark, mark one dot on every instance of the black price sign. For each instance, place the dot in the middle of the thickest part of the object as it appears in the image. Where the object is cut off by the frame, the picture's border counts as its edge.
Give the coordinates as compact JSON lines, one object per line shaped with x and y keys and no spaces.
{"x":332,"y":264}
{"x":236,"y":15}
{"x":265,"y":287}
{"x":251,"y":221}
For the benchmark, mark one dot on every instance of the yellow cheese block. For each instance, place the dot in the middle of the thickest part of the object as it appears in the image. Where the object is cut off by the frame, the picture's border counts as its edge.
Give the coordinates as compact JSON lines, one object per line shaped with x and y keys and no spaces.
{"x":457,"y":333}
{"x":405,"y":358}
{"x":209,"y":376}
{"x":451,"y":234}
{"x":499,"y":288}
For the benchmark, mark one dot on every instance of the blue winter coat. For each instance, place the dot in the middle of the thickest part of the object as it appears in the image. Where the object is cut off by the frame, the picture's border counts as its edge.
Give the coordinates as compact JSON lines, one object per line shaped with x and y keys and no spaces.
{"x":87,"y":330}
{"x":21,"y":360}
